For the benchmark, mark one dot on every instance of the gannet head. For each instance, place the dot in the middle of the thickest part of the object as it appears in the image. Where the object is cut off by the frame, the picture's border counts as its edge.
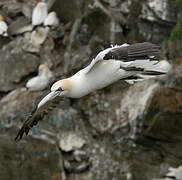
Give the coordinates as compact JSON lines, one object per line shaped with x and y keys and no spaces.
{"x":43,"y":69}
{"x":53,"y":13}
{"x":59,"y":88}
{"x":63,"y":86}
{"x":180,"y":168}
{"x":1,"y":18}
{"x":41,"y":5}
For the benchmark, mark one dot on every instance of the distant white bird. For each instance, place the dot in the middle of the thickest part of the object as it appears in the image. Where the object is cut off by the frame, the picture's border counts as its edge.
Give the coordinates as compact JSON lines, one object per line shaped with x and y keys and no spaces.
{"x":3,"y":27}
{"x":51,"y":20}
{"x":41,"y":81}
{"x":122,"y":62}
{"x":175,"y":173}
{"x":39,"y":14}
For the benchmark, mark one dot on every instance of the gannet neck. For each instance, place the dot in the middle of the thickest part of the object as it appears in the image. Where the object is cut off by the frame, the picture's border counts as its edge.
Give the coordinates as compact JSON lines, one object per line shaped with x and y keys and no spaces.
{"x":42,"y":5}
{"x":1,"y":18}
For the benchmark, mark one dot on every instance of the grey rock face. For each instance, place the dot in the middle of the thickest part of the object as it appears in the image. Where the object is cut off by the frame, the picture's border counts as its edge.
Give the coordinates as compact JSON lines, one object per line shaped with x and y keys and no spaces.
{"x":23,"y":64}
{"x":19,"y":26}
{"x":163,"y":10}
{"x":15,"y":102}
{"x":39,"y":36}
{"x":134,"y":109}
{"x":62,"y":8}
{"x":155,"y":17}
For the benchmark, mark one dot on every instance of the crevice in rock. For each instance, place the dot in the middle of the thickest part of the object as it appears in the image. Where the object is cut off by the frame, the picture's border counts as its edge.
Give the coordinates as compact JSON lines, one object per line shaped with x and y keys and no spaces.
{"x":3,"y":94}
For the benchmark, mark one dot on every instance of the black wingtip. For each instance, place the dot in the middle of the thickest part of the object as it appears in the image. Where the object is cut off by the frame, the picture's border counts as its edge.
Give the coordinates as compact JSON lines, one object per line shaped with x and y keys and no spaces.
{"x":20,"y":134}
{"x":25,"y":129}
{"x":22,"y":131}
{"x":154,"y":73}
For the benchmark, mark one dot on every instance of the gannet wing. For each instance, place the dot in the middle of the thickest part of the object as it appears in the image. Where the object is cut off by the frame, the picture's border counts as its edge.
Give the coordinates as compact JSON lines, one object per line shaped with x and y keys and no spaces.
{"x":43,"y":108}
{"x":138,"y":51}
{"x":128,"y":53}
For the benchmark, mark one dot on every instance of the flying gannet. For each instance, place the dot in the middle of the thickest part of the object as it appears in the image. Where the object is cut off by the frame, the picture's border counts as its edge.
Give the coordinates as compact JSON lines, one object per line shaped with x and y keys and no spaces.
{"x":123,"y":62}
{"x":3,"y":27}
{"x":39,"y":13}
{"x":51,"y":20}
{"x":41,"y":81}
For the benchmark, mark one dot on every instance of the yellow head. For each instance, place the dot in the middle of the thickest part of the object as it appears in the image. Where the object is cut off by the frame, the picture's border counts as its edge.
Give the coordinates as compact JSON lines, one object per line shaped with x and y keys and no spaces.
{"x":41,"y":5}
{"x":64,"y":85}
{"x":1,"y":18}
{"x":53,"y":13}
{"x":43,"y":69}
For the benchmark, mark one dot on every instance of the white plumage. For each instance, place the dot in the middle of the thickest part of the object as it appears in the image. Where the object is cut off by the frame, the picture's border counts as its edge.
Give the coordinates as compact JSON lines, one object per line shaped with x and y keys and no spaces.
{"x":41,"y":81}
{"x":175,"y":172}
{"x":108,"y":68}
{"x":3,"y":27}
{"x":51,"y":20}
{"x":39,"y":13}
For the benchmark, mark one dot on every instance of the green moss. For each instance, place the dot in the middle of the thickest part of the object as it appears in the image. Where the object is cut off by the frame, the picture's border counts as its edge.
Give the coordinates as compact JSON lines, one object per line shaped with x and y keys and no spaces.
{"x":179,"y":2}
{"x":176,"y":33}
{"x":165,"y":42}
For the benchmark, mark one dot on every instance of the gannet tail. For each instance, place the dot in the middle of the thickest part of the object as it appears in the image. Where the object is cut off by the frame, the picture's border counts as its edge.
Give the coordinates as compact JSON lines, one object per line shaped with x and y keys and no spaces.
{"x":146,"y":70}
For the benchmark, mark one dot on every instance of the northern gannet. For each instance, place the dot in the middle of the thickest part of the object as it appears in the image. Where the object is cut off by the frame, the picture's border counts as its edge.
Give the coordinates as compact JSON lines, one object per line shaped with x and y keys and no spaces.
{"x":3,"y":27}
{"x":41,"y":81}
{"x":123,"y":62}
{"x":175,"y":173}
{"x":39,"y":13}
{"x":51,"y":20}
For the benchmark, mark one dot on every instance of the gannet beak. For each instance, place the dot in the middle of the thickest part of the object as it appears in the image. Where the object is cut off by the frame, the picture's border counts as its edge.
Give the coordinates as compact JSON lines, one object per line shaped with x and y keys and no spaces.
{"x":48,"y":98}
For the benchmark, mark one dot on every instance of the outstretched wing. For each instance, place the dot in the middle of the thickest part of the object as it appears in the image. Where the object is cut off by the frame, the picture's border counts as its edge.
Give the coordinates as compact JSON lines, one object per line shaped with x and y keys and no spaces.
{"x":138,"y":51}
{"x":36,"y":115}
{"x":128,"y":53}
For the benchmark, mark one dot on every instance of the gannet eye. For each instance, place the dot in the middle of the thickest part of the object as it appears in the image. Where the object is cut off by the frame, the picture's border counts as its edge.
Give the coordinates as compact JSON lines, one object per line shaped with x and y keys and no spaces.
{"x":59,"y":89}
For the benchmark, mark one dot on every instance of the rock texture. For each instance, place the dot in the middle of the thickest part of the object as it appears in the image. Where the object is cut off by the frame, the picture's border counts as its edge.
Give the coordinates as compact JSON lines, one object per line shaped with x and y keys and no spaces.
{"x":119,"y":133}
{"x":15,"y":65}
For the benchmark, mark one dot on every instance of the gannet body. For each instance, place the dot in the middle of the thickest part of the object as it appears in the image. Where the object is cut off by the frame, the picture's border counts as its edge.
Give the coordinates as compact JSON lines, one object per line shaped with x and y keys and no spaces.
{"x":41,"y":81}
{"x":3,"y":27}
{"x":175,"y":173}
{"x":51,"y":20}
{"x":107,"y":72}
{"x":124,"y":62}
{"x":39,"y":14}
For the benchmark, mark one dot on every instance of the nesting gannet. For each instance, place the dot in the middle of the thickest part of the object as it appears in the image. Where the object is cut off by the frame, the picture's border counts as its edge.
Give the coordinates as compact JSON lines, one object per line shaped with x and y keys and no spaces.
{"x":3,"y":27}
{"x":41,"y":81}
{"x":175,"y":173}
{"x":110,"y":65}
{"x":51,"y":19}
{"x":39,"y":13}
